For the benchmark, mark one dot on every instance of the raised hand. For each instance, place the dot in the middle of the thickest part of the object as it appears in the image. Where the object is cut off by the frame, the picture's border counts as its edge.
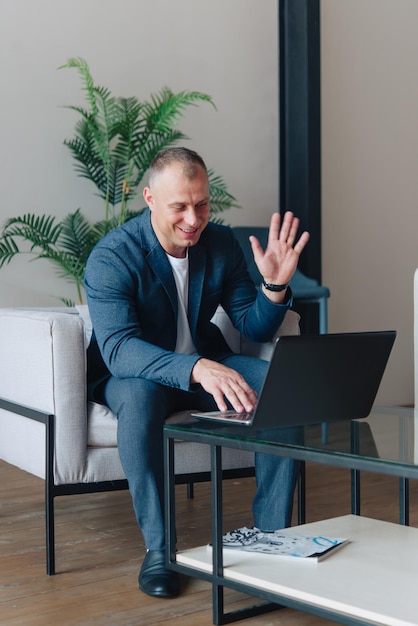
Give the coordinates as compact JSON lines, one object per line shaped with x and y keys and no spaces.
{"x":278,"y":262}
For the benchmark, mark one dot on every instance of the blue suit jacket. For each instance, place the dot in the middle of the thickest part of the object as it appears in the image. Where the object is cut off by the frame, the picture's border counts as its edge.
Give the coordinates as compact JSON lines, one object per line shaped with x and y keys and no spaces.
{"x":132,"y":300}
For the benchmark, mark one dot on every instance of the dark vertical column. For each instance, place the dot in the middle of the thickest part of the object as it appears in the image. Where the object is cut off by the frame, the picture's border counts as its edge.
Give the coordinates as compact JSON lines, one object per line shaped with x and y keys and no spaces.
{"x":300,"y":122}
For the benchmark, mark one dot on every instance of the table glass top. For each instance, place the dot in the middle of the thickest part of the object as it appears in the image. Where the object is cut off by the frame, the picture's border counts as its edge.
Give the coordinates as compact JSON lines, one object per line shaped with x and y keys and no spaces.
{"x":389,"y":435}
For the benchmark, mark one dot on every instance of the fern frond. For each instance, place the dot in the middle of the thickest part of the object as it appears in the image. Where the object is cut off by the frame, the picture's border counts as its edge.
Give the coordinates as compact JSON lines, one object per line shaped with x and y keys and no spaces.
{"x":151,"y":145}
{"x":88,"y":163}
{"x":67,"y":265}
{"x":8,"y":249}
{"x":161,"y":114}
{"x":166,"y":108}
{"x":39,"y":230}
{"x":76,"y":236}
{"x":71,"y":269}
{"x":67,"y":302}
{"x":220,"y":198}
{"x":106,"y":123}
{"x":130,"y":126}
{"x":119,"y":172}
{"x":100,"y":229}
{"x":86,"y":77}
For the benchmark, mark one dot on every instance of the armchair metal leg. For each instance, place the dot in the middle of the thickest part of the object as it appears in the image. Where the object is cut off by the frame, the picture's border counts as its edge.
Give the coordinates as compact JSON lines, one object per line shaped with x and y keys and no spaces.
{"x":49,"y":422}
{"x":49,"y":495}
{"x":50,"y":530}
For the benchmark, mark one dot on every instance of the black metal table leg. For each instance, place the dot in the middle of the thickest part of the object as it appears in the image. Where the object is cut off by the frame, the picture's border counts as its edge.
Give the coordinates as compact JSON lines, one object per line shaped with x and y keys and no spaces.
{"x":170,"y":501}
{"x":217,"y":527}
{"x":355,"y":474}
{"x":404,"y":501}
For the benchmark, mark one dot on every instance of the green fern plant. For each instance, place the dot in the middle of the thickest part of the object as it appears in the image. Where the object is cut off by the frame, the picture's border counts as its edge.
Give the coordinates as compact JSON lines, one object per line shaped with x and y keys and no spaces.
{"x":115,"y":141}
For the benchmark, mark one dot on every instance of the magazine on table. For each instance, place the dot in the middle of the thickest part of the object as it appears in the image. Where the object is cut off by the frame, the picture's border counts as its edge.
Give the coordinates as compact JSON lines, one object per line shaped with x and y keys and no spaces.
{"x":283,"y":543}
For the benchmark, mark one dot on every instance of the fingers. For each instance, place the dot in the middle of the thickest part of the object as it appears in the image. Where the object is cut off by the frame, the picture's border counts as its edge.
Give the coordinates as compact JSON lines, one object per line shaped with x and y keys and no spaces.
{"x":303,"y":240}
{"x":257,"y":249}
{"x":287,"y":232}
{"x":220,"y":400}
{"x":234,"y":389}
{"x":223,"y":384}
{"x":288,"y":228}
{"x":241,"y":397}
{"x":255,"y":245}
{"x":274,"y":228}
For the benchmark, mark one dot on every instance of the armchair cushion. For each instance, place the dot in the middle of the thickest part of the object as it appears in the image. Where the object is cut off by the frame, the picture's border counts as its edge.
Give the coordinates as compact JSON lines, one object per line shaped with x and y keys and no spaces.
{"x":101,"y":426}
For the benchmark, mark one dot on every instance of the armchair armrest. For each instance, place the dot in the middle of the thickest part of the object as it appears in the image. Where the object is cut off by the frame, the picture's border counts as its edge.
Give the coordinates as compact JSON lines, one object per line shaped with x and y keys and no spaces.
{"x":239,"y":344}
{"x":43,"y":366}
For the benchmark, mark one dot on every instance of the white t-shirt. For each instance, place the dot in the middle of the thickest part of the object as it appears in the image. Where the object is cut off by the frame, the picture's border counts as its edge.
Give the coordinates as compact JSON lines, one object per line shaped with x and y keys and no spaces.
{"x":180,"y":269}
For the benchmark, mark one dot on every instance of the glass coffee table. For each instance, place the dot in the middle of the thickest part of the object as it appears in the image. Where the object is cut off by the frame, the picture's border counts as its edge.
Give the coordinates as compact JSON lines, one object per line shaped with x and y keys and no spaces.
{"x":348,"y":587}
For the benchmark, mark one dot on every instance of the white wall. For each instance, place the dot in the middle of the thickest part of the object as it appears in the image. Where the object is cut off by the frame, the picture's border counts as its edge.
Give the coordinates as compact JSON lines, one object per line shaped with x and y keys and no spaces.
{"x":228,"y":48}
{"x":370,"y":173}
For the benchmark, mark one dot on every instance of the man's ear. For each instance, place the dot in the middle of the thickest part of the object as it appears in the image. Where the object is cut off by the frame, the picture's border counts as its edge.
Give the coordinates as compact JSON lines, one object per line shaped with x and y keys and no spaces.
{"x":148,"y":197}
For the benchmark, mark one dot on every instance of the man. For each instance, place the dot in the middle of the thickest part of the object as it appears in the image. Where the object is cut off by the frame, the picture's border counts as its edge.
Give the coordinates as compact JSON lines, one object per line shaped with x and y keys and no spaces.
{"x":153,"y":286}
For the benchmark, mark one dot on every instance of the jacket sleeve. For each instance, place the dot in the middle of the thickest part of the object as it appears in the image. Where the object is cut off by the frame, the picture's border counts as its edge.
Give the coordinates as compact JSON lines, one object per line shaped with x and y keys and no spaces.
{"x":111,"y":294}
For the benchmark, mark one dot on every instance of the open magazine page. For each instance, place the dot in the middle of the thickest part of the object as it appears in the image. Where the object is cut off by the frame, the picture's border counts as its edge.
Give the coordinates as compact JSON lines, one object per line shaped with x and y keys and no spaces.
{"x":282,"y":543}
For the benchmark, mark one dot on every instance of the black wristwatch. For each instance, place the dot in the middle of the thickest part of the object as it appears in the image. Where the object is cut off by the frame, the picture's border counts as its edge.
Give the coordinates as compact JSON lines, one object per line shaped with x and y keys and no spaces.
{"x":272,"y":287}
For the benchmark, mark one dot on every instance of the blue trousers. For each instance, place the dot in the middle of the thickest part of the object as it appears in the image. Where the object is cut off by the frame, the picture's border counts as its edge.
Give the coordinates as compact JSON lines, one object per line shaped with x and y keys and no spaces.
{"x":142,"y":407}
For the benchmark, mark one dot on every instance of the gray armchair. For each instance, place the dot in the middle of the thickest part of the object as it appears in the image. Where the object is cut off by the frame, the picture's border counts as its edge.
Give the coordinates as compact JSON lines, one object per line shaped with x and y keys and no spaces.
{"x":48,"y":428}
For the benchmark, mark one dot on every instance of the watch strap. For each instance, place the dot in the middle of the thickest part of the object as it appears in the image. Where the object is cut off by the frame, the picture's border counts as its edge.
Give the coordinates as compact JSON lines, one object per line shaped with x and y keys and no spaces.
{"x":273,"y":287}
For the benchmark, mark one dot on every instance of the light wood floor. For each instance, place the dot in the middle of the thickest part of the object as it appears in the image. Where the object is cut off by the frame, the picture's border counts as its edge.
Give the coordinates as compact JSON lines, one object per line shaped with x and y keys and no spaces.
{"x":100,"y":550}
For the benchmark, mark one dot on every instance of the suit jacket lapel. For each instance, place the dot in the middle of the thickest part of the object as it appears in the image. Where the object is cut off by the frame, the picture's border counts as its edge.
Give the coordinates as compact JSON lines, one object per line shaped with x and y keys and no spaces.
{"x":157,"y":259}
{"x":197,"y":267}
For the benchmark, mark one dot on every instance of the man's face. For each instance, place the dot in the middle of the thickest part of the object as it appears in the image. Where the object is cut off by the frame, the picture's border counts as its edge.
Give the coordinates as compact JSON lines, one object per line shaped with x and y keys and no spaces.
{"x":179,"y":208}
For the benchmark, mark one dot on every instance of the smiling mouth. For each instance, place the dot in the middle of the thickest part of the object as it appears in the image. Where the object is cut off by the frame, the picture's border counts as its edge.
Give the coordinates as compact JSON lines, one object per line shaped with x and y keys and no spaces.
{"x":189,"y":232}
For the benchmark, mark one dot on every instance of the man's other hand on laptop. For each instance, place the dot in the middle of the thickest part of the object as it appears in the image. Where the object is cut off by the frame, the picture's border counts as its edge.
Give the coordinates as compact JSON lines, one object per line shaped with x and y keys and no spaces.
{"x":224,"y":383}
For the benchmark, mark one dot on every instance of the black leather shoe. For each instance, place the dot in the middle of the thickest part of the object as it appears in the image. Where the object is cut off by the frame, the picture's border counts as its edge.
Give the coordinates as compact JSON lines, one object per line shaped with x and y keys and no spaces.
{"x":155,"y":579}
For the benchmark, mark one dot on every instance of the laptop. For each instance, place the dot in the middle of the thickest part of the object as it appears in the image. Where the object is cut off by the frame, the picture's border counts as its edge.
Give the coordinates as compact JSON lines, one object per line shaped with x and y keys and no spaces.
{"x":316,"y":378}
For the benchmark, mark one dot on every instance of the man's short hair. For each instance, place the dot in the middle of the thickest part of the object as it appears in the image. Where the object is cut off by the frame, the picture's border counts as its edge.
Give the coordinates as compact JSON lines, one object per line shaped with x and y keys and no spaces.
{"x":189,"y":159}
